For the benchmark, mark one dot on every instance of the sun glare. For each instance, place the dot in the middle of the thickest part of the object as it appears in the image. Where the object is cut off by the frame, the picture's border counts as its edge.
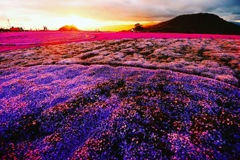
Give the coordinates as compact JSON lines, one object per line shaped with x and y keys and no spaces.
{"x":83,"y":23}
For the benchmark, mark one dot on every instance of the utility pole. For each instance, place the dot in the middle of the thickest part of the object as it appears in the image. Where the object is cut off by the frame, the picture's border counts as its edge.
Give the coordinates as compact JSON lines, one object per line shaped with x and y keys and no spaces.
{"x":9,"y":24}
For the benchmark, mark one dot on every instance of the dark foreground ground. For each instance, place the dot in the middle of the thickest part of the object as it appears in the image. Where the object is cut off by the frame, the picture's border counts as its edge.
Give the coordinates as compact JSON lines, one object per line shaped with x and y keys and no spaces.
{"x":121,"y":99}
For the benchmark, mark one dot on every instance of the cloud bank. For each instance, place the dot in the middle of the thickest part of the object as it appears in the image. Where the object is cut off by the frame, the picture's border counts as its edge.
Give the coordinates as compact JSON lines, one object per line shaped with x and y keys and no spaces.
{"x":115,"y":10}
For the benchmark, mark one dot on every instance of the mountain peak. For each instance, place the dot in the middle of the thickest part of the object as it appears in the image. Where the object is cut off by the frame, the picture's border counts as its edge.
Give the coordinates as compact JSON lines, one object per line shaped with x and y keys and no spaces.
{"x":196,"y":23}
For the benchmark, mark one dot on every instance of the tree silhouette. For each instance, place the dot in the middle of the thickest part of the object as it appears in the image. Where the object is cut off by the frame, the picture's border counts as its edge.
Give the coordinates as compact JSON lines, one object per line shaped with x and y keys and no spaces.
{"x":138,"y":27}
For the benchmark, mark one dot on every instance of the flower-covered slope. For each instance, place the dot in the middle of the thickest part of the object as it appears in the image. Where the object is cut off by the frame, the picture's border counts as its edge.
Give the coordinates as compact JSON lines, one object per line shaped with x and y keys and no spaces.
{"x":213,"y":58}
{"x":103,"y":112}
{"x":121,"y":99}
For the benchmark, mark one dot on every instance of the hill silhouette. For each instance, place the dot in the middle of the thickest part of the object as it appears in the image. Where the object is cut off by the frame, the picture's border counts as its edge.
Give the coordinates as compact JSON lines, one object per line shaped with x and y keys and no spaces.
{"x":196,"y":23}
{"x":69,"y":28}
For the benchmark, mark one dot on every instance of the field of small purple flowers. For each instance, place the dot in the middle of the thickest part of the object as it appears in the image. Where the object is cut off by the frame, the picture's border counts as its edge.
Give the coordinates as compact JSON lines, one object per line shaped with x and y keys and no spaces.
{"x":74,"y":101}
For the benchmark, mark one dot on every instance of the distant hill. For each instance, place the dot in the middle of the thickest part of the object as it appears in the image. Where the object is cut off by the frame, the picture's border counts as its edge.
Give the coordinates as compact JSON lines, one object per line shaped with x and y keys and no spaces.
{"x":69,"y":28}
{"x":196,"y":23}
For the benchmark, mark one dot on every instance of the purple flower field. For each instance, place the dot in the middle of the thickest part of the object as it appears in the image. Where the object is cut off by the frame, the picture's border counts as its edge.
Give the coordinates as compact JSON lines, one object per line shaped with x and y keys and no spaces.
{"x":121,"y":99}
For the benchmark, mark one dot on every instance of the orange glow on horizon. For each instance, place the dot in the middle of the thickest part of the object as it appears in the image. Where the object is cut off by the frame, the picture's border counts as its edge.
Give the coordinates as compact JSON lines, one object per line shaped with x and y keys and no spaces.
{"x":88,"y":24}
{"x":92,"y":24}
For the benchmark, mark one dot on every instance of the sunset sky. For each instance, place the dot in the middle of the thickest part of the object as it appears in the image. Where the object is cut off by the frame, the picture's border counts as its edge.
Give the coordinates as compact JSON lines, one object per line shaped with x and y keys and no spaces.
{"x":93,"y":14}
